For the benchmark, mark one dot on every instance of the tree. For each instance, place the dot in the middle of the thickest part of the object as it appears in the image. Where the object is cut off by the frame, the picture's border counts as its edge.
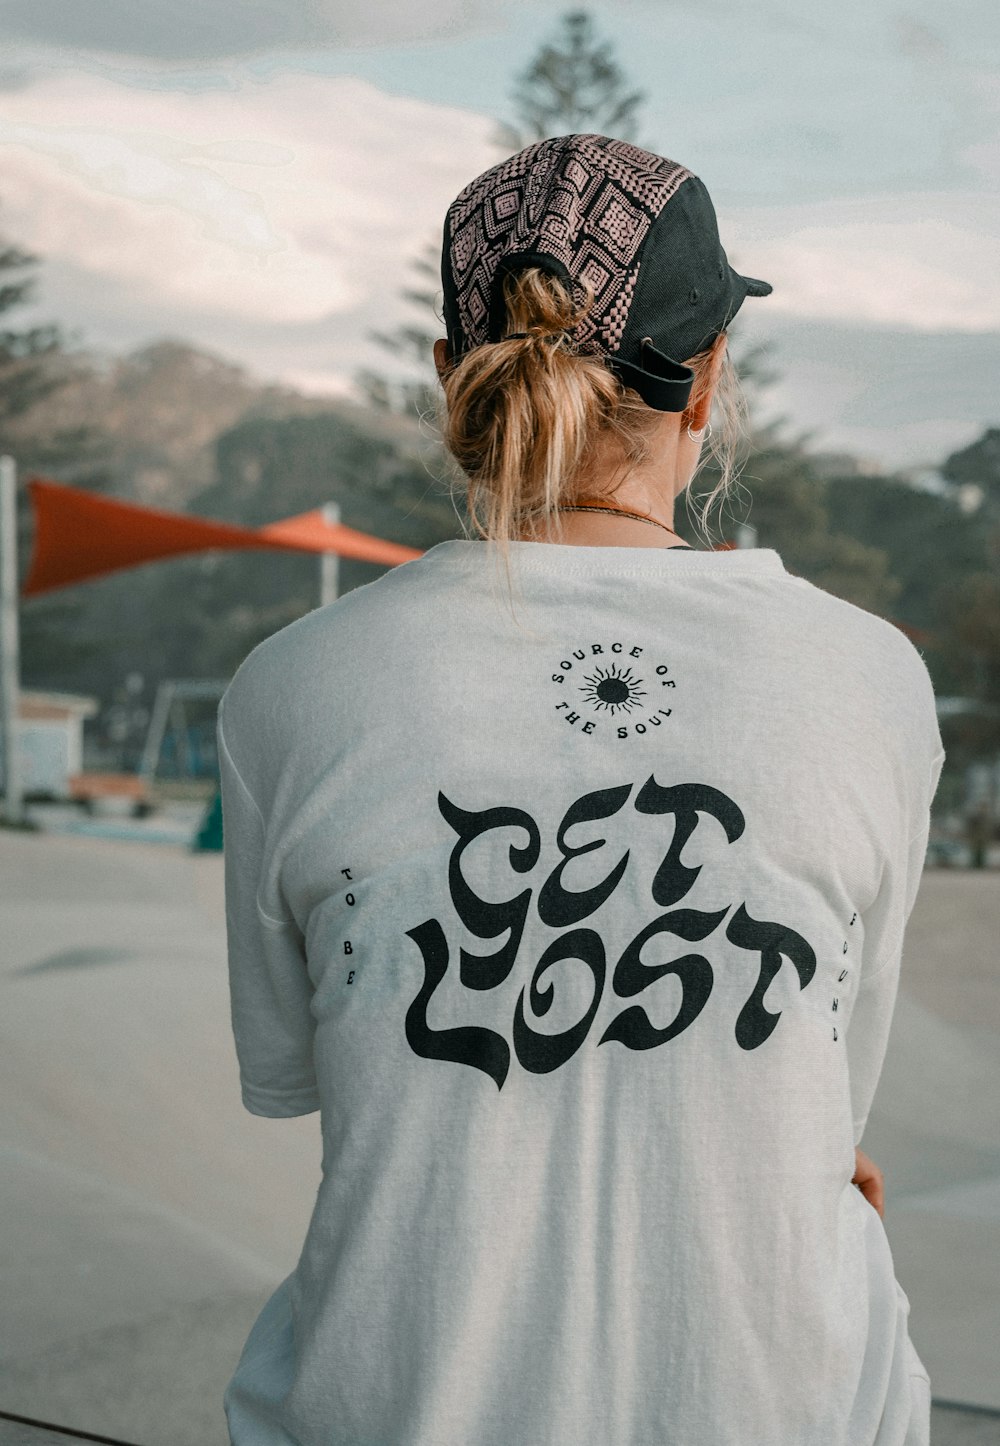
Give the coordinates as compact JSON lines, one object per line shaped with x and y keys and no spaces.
{"x":413,"y":341}
{"x":978,"y":466}
{"x":969,"y":631}
{"x":35,"y":362}
{"x":967,"y":597}
{"x":25,"y":373}
{"x":572,"y":84}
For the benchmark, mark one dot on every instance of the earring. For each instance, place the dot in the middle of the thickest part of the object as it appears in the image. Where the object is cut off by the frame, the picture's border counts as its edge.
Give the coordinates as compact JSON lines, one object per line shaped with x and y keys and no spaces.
{"x":706,"y":430}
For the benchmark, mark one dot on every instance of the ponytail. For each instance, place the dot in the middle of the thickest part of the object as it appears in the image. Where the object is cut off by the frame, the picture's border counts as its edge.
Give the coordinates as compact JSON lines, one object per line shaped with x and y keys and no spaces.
{"x":520,"y":415}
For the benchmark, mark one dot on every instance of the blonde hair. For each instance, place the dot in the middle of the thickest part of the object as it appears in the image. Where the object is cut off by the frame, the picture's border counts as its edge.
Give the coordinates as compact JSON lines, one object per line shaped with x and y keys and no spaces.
{"x":519,"y":416}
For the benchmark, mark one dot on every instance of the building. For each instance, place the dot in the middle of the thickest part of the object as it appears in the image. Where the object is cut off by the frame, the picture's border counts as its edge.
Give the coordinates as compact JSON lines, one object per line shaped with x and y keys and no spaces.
{"x":50,"y":737}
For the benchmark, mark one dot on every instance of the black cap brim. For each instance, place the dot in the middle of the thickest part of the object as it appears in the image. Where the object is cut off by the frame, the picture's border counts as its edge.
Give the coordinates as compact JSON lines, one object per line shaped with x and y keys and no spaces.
{"x":744,"y":286}
{"x":749,"y":286}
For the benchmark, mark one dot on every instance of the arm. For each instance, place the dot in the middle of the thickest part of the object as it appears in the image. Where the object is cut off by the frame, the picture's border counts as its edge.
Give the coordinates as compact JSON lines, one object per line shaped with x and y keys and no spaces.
{"x":869,"y":1180}
{"x":269,"y":985}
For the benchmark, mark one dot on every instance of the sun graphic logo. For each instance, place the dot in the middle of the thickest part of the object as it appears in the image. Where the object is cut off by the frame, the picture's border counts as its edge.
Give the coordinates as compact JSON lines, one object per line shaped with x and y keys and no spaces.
{"x":610,"y":689}
{"x":613,"y":688}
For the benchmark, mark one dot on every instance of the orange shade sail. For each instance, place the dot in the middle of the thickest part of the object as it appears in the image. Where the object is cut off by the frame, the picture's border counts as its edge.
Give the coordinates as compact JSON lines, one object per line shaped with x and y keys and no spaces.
{"x":80,"y":534}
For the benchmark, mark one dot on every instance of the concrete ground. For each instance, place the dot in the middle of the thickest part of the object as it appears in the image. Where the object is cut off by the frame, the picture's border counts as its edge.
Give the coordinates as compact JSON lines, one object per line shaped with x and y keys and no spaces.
{"x":145,"y":1216}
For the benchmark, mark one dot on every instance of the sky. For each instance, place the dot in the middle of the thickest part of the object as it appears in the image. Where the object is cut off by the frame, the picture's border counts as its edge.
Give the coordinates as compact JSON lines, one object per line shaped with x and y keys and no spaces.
{"x":257,"y":179}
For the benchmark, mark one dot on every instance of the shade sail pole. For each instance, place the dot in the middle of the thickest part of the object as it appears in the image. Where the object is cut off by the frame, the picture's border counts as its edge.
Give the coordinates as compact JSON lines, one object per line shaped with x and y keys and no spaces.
{"x":329,"y":562}
{"x":10,"y":664}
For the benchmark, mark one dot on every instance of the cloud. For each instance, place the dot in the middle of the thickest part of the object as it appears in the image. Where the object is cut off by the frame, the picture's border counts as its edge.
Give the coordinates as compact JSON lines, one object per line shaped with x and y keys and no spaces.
{"x":274,"y":221}
{"x":212,"y":29}
{"x":921,"y":259}
{"x":289,"y":201}
{"x":891,"y":394}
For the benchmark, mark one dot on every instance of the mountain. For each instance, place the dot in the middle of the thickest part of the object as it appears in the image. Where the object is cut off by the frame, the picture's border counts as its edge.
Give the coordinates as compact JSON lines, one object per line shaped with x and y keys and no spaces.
{"x":155,"y":414}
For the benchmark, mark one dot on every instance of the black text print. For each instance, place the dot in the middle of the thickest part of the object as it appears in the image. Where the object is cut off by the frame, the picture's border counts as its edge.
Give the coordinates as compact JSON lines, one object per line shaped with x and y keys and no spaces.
{"x":566,"y":909}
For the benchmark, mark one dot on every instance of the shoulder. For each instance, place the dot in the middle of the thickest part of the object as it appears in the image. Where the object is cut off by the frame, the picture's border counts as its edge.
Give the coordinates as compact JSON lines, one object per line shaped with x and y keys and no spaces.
{"x":881,"y":638}
{"x":875,"y":656}
{"x":344,"y":635}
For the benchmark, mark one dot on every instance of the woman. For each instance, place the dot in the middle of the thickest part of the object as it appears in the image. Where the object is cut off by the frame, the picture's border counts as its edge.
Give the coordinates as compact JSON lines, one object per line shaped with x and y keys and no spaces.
{"x":581,"y":925}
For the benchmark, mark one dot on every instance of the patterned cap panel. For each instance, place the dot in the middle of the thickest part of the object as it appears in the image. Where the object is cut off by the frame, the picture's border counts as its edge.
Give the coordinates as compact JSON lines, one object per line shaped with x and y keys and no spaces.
{"x":586,"y":200}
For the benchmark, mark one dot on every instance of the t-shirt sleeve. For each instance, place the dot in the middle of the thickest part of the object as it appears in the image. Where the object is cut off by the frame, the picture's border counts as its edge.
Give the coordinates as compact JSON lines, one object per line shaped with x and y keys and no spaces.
{"x":269,"y":986}
{"x":885,"y":925}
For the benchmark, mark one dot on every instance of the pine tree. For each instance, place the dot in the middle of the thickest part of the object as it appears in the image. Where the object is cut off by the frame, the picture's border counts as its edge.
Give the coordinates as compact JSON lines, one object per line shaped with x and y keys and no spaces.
{"x":572,"y":84}
{"x":26,"y":374}
{"x":36,"y":361}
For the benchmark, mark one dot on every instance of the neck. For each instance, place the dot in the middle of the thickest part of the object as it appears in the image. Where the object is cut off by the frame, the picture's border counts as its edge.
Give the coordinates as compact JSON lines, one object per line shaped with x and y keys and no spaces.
{"x":603,"y":529}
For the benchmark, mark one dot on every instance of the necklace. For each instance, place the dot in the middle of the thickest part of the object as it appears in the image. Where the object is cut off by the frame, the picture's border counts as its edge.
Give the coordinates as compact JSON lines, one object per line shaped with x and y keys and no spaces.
{"x":619,"y":511}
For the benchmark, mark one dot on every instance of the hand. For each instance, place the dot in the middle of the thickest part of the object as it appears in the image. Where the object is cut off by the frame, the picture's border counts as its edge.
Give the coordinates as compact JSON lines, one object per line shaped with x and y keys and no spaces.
{"x":868,"y":1178}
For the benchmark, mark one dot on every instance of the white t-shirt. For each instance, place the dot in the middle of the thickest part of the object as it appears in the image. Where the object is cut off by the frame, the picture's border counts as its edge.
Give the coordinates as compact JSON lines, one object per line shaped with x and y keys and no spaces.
{"x":582,"y":930}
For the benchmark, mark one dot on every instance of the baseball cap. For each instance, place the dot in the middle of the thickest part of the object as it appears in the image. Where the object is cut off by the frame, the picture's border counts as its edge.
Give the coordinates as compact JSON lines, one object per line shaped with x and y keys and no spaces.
{"x":640,"y":228}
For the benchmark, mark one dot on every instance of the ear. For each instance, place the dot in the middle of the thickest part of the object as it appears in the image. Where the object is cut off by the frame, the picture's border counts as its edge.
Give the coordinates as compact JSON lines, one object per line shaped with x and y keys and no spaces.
{"x":441,"y":355}
{"x":701,"y":411}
